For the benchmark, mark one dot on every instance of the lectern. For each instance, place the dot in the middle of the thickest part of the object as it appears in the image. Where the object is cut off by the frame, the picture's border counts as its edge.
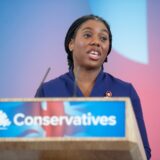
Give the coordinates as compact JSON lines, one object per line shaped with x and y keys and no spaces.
{"x":69,"y":129}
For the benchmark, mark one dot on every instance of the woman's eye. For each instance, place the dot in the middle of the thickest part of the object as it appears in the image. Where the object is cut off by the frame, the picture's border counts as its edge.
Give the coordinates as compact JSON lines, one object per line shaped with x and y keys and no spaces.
{"x":87,"y":35}
{"x":103,"y":39}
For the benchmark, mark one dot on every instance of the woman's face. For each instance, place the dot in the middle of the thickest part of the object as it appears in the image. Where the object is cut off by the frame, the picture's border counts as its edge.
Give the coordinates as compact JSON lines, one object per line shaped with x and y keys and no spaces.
{"x":90,"y":45}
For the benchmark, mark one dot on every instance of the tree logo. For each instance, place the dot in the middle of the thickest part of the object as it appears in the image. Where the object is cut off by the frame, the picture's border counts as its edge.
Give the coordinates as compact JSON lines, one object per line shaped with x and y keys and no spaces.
{"x":4,"y":120}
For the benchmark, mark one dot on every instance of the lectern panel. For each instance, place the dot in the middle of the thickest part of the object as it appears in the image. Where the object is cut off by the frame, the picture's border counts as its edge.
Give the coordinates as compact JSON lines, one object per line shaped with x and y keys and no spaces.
{"x":62,"y":118}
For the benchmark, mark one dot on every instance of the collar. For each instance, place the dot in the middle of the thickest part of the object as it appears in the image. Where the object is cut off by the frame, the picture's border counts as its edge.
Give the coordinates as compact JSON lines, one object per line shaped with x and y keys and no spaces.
{"x":102,"y":84}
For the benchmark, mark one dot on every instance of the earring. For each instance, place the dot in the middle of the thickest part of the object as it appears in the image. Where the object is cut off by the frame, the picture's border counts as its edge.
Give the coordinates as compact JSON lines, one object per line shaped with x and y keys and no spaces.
{"x":71,"y":49}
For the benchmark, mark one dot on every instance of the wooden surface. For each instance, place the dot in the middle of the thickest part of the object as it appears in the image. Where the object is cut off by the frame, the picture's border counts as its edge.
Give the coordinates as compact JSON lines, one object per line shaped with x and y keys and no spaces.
{"x":69,"y":149}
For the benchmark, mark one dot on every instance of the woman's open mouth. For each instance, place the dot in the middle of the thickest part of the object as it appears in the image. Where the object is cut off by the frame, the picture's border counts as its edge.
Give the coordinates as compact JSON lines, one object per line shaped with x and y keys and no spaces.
{"x":94,"y":55}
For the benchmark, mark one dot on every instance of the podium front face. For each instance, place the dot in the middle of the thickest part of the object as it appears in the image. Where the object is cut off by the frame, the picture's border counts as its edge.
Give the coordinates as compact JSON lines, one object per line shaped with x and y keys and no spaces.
{"x":70,"y":128}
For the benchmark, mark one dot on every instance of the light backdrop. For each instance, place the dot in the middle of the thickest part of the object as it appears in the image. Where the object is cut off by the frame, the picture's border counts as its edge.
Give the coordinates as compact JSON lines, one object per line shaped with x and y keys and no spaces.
{"x":32,"y":39}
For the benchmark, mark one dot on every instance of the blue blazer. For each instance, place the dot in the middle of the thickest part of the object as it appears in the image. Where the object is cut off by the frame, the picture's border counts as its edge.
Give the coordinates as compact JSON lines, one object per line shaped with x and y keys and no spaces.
{"x":64,"y":86}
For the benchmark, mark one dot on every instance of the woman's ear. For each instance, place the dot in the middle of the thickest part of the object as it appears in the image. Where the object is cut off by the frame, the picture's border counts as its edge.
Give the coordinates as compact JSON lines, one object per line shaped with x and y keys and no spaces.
{"x":71,"y":45}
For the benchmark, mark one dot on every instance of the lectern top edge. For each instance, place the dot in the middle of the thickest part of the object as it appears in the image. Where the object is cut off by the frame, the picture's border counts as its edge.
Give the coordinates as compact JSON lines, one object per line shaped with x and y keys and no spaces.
{"x":65,"y":99}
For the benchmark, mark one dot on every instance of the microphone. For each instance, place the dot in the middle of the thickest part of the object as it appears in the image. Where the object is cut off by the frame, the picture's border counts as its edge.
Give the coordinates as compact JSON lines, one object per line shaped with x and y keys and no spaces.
{"x":75,"y":82}
{"x":40,"y":86}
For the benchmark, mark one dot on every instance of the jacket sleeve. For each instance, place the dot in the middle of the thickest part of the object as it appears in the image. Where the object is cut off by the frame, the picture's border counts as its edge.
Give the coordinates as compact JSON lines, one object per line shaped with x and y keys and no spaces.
{"x":140,"y":121}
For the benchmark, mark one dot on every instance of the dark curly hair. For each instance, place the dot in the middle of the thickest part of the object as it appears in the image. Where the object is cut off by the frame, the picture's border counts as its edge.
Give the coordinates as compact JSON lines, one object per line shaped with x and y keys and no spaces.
{"x":71,"y":33}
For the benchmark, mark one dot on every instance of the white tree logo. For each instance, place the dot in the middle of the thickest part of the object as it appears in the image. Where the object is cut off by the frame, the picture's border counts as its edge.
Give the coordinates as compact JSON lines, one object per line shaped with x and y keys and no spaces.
{"x":4,"y":121}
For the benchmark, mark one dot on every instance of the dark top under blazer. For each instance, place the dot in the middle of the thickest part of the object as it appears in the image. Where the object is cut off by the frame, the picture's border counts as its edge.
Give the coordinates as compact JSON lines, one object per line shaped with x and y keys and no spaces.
{"x":64,"y":86}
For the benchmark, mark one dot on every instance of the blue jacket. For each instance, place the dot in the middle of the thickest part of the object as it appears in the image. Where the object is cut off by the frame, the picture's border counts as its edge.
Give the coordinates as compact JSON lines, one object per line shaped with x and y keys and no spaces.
{"x":64,"y":86}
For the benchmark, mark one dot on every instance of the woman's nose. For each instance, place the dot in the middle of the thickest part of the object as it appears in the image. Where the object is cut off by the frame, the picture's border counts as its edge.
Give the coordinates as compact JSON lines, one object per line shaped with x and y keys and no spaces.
{"x":95,"y":41}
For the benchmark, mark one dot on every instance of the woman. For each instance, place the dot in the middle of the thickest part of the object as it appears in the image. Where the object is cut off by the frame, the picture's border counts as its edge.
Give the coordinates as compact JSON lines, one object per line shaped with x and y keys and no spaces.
{"x":88,"y":43}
